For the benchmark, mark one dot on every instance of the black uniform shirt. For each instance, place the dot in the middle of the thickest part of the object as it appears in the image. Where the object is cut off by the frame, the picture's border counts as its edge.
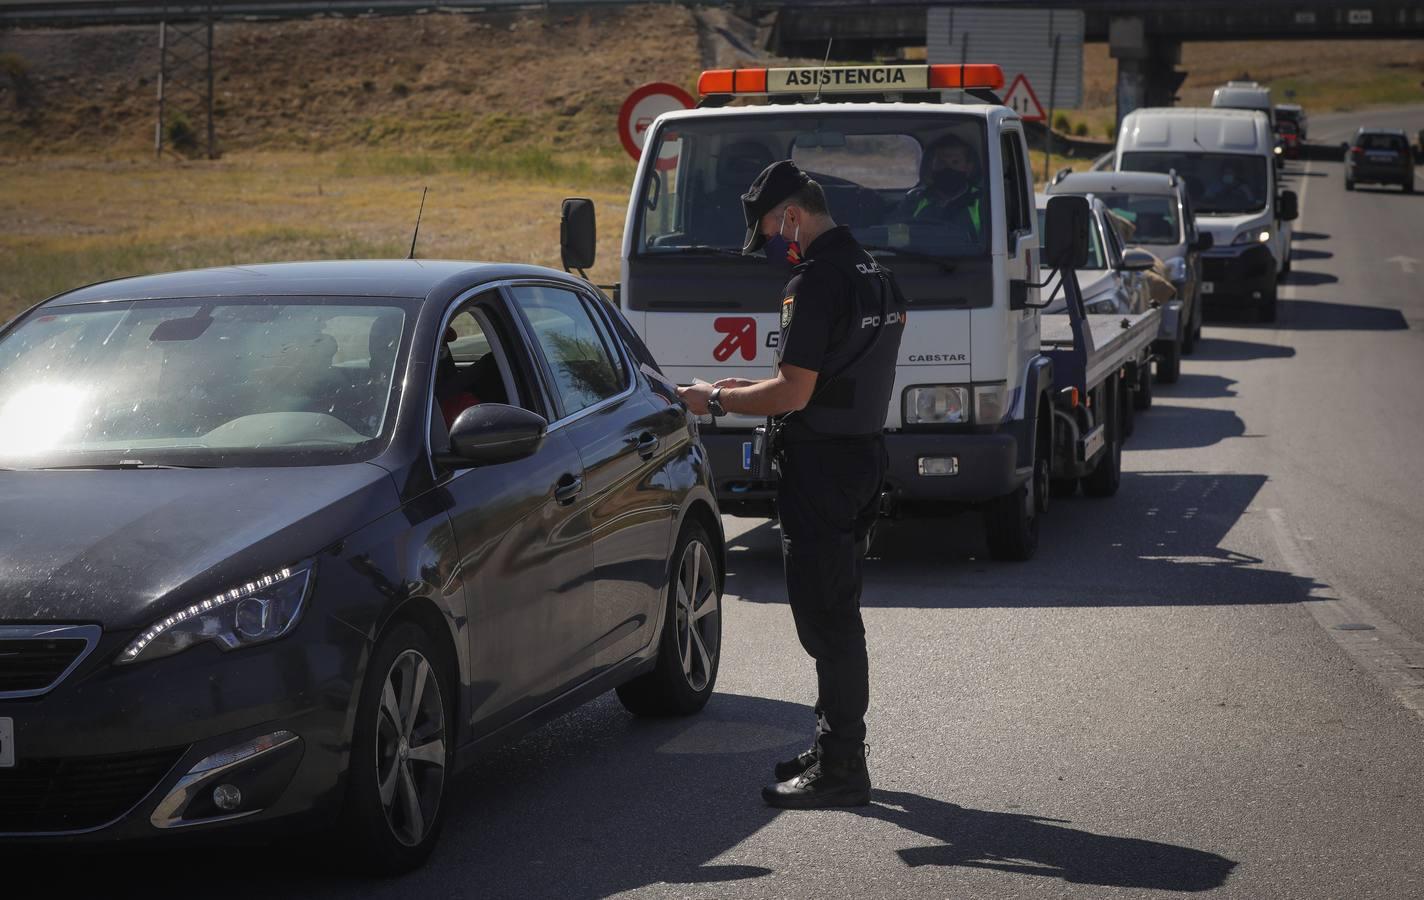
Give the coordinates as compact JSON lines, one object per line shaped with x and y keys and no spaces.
{"x":832,"y":309}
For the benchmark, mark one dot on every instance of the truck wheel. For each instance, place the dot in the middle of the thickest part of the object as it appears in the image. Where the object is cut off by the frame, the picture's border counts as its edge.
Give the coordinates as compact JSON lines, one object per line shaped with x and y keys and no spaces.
{"x":1169,"y":364}
{"x":690,"y":646}
{"x":1349,"y":184}
{"x":1011,"y":521}
{"x":1142,"y":397}
{"x":1107,"y":474}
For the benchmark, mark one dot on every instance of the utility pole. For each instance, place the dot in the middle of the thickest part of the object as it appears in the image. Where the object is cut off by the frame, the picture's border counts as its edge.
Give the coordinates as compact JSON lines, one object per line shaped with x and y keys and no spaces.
{"x":185,"y":87}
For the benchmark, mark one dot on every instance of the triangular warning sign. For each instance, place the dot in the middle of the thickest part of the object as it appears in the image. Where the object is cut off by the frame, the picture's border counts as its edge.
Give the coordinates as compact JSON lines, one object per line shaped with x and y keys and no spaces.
{"x":1022,"y":100}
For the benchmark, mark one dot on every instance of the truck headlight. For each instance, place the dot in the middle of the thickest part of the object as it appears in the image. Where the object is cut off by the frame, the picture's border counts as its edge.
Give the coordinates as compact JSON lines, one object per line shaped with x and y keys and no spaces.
{"x":1177,"y":269}
{"x":1252,"y":237}
{"x":936,"y":404}
{"x":254,"y":613}
{"x":991,"y":403}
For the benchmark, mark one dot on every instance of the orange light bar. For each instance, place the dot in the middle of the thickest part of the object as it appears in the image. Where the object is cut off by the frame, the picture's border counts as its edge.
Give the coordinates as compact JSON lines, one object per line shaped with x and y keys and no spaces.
{"x":732,"y":81}
{"x":956,"y":77}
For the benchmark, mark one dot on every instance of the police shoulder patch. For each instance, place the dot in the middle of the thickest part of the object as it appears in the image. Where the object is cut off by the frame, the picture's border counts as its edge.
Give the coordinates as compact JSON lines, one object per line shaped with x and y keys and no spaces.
{"x":788,"y":306}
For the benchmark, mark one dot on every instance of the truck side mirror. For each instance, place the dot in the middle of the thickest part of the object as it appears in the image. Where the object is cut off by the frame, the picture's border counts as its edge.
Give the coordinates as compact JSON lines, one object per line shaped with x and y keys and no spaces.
{"x":1290,"y":206}
{"x":1065,"y":229}
{"x":578,"y":234}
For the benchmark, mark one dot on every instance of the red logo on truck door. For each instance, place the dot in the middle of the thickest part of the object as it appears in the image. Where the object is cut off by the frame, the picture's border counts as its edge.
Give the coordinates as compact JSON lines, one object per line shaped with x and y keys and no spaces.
{"x":740,"y":334}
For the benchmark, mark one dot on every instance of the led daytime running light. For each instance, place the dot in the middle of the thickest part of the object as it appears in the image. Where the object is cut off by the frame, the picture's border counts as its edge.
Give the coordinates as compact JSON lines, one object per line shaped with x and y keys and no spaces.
{"x":132,"y":651}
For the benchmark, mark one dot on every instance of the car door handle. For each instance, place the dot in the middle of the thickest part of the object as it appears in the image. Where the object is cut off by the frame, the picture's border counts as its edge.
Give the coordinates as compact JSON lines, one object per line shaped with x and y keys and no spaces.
{"x":646,"y":444}
{"x":568,"y":488}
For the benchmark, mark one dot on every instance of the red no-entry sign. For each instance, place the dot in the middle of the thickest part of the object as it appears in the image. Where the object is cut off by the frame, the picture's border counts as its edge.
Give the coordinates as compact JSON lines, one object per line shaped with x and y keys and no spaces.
{"x":640,"y":109}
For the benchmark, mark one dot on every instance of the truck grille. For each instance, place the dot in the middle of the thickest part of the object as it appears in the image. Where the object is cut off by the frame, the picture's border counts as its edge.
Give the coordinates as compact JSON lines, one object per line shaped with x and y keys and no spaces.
{"x":32,"y":665}
{"x":47,"y":795}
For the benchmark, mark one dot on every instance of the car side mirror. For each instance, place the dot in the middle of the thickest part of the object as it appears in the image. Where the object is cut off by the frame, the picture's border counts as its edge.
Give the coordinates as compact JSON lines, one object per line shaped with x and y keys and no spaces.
{"x":1137,"y":261}
{"x":578,"y":234}
{"x":1065,"y":230}
{"x":1204,"y":241}
{"x":493,"y":433}
{"x":1289,"y":206}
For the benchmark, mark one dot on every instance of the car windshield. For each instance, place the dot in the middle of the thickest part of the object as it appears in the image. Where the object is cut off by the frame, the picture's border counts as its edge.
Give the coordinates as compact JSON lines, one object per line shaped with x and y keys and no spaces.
{"x":1218,"y":183}
{"x":1152,"y":217}
{"x":1382,"y":142}
{"x":288,"y":381}
{"x":1096,"y":258}
{"x":914,"y":184}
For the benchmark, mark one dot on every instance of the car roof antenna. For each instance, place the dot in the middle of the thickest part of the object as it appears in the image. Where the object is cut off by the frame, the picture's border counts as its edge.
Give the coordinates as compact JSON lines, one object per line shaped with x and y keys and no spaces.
{"x":820,"y":82}
{"x":417,"y":222}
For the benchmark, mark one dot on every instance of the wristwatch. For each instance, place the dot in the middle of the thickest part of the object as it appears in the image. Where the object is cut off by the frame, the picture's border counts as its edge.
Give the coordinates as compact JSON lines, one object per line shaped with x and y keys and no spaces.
{"x":714,"y":403}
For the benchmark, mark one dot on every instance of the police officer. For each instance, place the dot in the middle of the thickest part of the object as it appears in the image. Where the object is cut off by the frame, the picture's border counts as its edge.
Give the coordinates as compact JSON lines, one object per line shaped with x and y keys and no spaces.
{"x":842,"y":318}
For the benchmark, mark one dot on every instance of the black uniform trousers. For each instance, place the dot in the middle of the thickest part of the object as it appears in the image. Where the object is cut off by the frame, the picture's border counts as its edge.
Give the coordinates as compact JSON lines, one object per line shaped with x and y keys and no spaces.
{"x":827,"y":500}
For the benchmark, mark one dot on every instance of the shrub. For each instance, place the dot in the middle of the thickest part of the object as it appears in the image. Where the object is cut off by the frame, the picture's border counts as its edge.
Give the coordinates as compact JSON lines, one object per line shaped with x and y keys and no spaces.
{"x":1081,"y":130}
{"x":1061,"y":123}
{"x":180,"y":134}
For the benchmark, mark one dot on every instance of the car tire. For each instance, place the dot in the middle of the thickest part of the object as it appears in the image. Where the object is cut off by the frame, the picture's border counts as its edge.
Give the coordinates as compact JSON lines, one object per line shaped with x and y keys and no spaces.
{"x":1011,"y":522}
{"x":402,"y":755}
{"x":690,"y":646}
{"x":1103,"y":481}
{"x":1142,"y":397}
{"x":1408,"y":186}
{"x":1189,"y":335}
{"x":1349,"y":184}
{"x":1169,"y":364}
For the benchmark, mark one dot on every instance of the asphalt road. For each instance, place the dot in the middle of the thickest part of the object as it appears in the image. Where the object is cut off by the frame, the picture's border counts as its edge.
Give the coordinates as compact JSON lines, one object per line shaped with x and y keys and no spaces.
{"x":1161,"y":702}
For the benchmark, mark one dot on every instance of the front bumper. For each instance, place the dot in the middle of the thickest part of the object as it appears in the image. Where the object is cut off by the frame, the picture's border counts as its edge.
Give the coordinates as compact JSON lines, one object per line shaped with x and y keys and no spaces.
{"x":98,"y":755}
{"x":1239,"y":279}
{"x":984,"y":463}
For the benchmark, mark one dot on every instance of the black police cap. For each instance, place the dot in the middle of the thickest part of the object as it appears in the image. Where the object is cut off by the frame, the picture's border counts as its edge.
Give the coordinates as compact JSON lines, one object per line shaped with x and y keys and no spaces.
{"x":770,"y":189}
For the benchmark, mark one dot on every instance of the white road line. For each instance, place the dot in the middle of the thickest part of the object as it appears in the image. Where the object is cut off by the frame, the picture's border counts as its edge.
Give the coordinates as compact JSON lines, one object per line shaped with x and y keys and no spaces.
{"x":1376,"y":644}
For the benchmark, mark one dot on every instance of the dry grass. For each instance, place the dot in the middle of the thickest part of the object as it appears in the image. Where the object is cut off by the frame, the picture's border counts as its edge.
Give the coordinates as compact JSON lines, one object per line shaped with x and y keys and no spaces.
{"x":75,"y":221}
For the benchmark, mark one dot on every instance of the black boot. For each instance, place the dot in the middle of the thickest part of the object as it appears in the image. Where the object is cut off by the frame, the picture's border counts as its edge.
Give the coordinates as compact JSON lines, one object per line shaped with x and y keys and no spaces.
{"x":785,"y":771}
{"x":827,"y":783}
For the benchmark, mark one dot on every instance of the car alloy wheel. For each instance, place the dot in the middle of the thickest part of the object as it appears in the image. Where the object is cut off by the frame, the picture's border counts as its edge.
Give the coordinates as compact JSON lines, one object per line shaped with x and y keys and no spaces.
{"x":410,"y":747}
{"x":698,"y":610}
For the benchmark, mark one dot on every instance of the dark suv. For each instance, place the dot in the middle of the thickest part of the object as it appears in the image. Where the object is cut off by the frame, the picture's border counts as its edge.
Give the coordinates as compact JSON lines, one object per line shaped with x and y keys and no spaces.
{"x":1379,"y":156}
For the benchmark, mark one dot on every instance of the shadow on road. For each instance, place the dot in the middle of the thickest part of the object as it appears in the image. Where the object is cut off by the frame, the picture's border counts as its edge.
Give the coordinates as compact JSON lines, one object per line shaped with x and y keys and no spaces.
{"x":1305,"y":253}
{"x":1322,"y":315}
{"x":1183,"y":427}
{"x":1197,"y":387}
{"x":597,"y":803}
{"x":1310,"y":279}
{"x":1032,"y":845}
{"x":1216,"y":349}
{"x":1309,"y":236}
{"x":1159,"y":542}
{"x":1387,"y":189}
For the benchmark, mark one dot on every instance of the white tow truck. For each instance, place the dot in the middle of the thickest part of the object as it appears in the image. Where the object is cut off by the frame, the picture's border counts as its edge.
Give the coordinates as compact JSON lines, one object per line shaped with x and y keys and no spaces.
{"x":994,"y":401}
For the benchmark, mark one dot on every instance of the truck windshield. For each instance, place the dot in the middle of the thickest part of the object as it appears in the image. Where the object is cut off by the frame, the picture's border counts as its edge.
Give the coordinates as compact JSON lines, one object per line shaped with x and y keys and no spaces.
{"x":1219,"y":184}
{"x":206,"y":383}
{"x":908,"y":183}
{"x":1151,"y":218}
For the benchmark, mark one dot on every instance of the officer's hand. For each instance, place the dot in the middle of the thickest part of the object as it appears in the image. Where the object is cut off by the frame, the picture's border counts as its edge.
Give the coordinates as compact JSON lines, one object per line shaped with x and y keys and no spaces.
{"x":696,"y":396}
{"x":733,"y":383}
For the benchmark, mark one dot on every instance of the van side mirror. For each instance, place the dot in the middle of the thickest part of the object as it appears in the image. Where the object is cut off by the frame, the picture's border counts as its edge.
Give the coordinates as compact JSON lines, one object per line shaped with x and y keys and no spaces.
{"x":1204,"y":241}
{"x":578,"y":234}
{"x":1289,"y":206}
{"x":1065,"y":231}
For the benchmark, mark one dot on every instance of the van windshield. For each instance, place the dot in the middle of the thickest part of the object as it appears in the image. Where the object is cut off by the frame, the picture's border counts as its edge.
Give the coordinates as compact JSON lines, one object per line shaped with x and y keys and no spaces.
{"x":912,"y":184}
{"x":1218,"y":183}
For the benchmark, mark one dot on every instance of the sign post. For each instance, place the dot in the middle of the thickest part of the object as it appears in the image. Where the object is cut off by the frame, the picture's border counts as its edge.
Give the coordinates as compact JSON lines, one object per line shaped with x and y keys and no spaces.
{"x":640,"y":109}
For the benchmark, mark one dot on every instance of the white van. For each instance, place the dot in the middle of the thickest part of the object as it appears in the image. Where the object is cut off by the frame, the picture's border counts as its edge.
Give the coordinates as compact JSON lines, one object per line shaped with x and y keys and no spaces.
{"x":1225,"y":156}
{"x":1245,"y":95}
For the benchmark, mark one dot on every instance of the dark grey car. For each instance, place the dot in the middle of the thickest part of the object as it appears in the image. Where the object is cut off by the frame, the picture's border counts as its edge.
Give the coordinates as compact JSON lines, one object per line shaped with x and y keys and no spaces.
{"x":1379,"y":156}
{"x":285,"y":546}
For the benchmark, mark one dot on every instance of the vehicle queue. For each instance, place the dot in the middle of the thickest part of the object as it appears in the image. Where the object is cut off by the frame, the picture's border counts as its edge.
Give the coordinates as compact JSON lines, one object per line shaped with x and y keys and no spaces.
{"x":321,"y":533}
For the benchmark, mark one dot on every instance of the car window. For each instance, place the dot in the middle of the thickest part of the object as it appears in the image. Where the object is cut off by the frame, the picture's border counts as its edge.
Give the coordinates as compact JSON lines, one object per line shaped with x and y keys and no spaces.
{"x":582,"y":362}
{"x":1382,"y":142}
{"x":1114,"y":240}
{"x":470,"y":368}
{"x":1016,"y":202}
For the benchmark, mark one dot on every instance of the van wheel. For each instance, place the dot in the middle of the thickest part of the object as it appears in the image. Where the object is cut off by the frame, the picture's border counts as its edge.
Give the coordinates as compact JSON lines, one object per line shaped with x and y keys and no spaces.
{"x":402,"y":755}
{"x":1142,"y":397}
{"x":1349,"y":184}
{"x":1107,"y":474}
{"x":690,"y":646}
{"x":1169,"y":364}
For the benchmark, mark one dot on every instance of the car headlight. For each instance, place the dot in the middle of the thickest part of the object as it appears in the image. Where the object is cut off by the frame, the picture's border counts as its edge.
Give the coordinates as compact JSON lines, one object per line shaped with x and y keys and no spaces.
{"x":990,"y":403}
{"x":1252,"y":237}
{"x":1103,"y":304}
{"x":254,"y":613}
{"x":1177,"y":269}
{"x":936,"y":404}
